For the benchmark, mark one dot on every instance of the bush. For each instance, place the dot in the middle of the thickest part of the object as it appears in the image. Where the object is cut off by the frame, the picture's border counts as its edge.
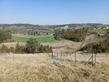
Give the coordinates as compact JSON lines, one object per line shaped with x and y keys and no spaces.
{"x":4,"y":49}
{"x":12,"y":49}
{"x":19,"y":48}
{"x":99,"y":47}
{"x":31,"y":46}
{"x":4,"y":35}
{"x":45,"y":49}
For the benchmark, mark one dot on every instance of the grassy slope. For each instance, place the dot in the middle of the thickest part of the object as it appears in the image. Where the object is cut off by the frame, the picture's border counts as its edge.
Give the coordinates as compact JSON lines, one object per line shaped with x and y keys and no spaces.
{"x":41,"y":39}
{"x":38,"y":68}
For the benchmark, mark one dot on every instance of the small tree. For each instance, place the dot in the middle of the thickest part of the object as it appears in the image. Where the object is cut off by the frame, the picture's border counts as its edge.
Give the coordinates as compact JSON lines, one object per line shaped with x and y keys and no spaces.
{"x":12,"y":49}
{"x":31,"y":46}
{"x":4,"y":35}
{"x":19,"y":48}
{"x":4,"y":49}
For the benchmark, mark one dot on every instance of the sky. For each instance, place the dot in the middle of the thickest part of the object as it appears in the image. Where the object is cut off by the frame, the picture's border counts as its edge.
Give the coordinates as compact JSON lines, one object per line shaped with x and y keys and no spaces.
{"x":51,"y":12}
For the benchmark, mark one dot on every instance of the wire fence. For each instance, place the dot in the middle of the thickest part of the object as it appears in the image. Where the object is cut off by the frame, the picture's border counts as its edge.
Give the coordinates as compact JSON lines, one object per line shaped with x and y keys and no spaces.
{"x":86,"y":57}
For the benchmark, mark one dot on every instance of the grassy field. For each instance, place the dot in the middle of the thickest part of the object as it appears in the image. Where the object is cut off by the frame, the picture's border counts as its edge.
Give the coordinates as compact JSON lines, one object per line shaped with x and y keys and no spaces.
{"x":101,"y":31}
{"x":38,"y":68}
{"x":41,"y":39}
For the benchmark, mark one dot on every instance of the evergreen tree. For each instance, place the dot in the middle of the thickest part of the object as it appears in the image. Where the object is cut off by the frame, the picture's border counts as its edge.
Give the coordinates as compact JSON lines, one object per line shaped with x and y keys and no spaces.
{"x":19,"y":48}
{"x":4,"y":49}
{"x":31,"y":46}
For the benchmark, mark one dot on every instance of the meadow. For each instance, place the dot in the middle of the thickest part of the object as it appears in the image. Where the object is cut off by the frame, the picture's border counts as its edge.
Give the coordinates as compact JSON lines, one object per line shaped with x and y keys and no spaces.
{"x":41,"y":39}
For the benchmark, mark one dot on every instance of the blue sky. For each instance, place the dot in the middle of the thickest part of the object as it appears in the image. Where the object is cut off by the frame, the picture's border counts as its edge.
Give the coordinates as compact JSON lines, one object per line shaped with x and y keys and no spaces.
{"x":54,"y":11}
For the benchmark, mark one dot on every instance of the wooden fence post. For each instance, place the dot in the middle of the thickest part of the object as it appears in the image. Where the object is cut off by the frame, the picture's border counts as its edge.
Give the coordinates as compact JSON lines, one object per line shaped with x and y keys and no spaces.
{"x":95,"y":60}
{"x":52,"y":56}
{"x":92,"y":59}
{"x":75,"y":56}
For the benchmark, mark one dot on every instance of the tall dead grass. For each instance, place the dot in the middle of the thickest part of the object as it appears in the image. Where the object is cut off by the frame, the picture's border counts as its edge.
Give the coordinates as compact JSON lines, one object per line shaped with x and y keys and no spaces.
{"x":38,"y":68}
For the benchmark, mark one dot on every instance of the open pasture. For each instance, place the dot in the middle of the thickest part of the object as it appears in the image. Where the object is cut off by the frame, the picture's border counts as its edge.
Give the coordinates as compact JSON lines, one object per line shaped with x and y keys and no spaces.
{"x":40,"y":39}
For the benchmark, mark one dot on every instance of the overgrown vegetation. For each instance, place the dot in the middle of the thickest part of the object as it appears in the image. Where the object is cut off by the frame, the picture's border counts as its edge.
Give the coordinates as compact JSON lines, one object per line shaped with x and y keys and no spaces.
{"x":108,"y":32}
{"x":75,"y":35}
{"x":4,"y":35}
{"x":98,"y":47}
{"x":32,"y":46}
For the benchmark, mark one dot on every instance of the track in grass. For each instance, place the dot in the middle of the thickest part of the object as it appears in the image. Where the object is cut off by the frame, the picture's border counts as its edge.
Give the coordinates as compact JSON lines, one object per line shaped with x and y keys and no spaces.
{"x":41,"y":39}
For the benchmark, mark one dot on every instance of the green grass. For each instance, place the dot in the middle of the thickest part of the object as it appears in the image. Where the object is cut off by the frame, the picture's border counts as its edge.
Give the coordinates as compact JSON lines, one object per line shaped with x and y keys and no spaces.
{"x":102,"y":31}
{"x":41,"y":39}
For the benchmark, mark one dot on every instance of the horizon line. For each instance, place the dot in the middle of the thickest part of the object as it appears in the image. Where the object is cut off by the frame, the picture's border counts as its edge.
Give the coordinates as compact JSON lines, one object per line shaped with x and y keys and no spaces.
{"x":54,"y":24}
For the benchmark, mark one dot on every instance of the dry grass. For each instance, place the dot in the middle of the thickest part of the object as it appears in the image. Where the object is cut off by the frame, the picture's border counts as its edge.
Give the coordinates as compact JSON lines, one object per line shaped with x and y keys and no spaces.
{"x":38,"y":68}
{"x":100,"y":58}
{"x":69,"y":46}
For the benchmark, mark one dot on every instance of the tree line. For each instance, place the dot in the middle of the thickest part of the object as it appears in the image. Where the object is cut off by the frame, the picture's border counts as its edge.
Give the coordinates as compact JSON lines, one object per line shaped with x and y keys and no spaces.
{"x":73,"y":35}
{"x":32,"y":46}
